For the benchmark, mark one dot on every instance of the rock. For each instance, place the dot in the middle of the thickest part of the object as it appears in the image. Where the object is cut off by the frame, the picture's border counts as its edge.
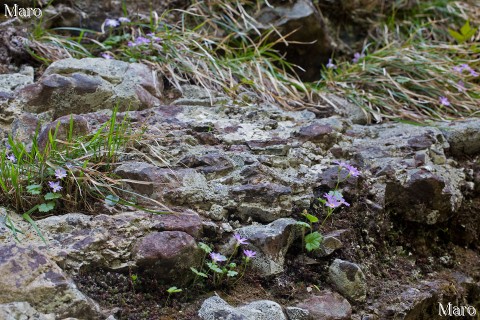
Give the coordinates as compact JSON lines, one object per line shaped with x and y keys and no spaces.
{"x":463,"y":136}
{"x":12,"y":81}
{"x":24,"y":127}
{"x":331,"y":242}
{"x":349,"y":279}
{"x":215,"y":308}
{"x":29,"y":275}
{"x":327,"y":306}
{"x":346,"y":109}
{"x":22,"y":310}
{"x":295,"y":313}
{"x":428,"y":195}
{"x":86,"y":85}
{"x":167,"y":255}
{"x":60,"y":129}
{"x":310,"y":45}
{"x":271,"y":242}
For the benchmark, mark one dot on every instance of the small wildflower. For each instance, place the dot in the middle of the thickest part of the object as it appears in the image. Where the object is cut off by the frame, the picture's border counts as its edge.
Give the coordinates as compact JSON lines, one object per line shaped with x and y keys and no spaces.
{"x":11,"y":157}
{"x":335,"y":200}
{"x":153,"y":36}
{"x":461,"y":86}
{"x":458,"y":69}
{"x":55,"y":185}
{"x":131,"y":44}
{"x":444,"y":101}
{"x":330,"y":64}
{"x":124,"y":20}
{"x":357,"y":56}
{"x":106,"y":56}
{"x":249,"y":254}
{"x":217,"y":257}
{"x":111,"y":23}
{"x":69,"y":165}
{"x":340,"y":163}
{"x":352,"y":170}
{"x":473,"y":73}
{"x":60,"y":173}
{"x":142,"y":40}
{"x":240,"y":240}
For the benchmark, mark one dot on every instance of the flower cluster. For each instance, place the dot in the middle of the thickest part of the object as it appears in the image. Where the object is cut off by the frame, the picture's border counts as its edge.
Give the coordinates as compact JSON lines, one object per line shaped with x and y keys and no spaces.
{"x":330,"y":64}
{"x":352,"y":171}
{"x":465,"y":67}
{"x":444,"y":101}
{"x":55,"y":185}
{"x":334,"y":199}
{"x":357,"y":56}
{"x":142,"y":40}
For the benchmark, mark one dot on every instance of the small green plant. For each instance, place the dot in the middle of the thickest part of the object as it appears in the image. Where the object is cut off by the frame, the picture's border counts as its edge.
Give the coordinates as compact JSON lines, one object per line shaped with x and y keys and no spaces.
{"x":67,"y":174}
{"x":170,"y":291}
{"x":219,"y":269}
{"x":331,"y":201}
{"x":465,"y":34}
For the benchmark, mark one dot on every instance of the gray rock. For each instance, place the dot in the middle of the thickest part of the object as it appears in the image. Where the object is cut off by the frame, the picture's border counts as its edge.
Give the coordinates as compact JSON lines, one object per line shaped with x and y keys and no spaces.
{"x":167,"y":255}
{"x":271,"y":242}
{"x":295,"y":313}
{"x":463,"y":136}
{"x":28,"y":275}
{"x":331,"y":242}
{"x":215,"y":308}
{"x":327,"y":306}
{"x":22,"y":310}
{"x":346,"y":109}
{"x":349,"y":279}
{"x":90,"y":84}
{"x":10,"y":82}
{"x":24,"y":127}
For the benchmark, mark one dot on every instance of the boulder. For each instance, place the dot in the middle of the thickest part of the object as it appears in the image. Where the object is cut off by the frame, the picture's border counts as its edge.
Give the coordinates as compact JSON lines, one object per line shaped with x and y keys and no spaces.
{"x":349,"y":279}
{"x":326,"y":305}
{"x":167,"y":255}
{"x":27,"y":274}
{"x":271,"y":242}
{"x":90,"y":84}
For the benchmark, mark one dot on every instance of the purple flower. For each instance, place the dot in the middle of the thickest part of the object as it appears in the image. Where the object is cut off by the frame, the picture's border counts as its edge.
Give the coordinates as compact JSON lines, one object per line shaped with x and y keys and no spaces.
{"x":461,"y":86}
{"x":106,"y":56}
{"x":357,"y":56}
{"x":124,"y":20}
{"x":444,"y":101}
{"x":249,"y":254}
{"x":217,"y":257}
{"x":60,"y":173}
{"x":335,"y":199}
{"x":458,"y":69}
{"x":340,"y":163}
{"x":153,"y":36}
{"x":352,"y":170}
{"x":240,"y":240}
{"x":131,"y":44}
{"x":11,"y":157}
{"x":111,"y":23}
{"x":55,"y":185}
{"x":473,"y":73}
{"x":142,"y":40}
{"x":331,"y":65}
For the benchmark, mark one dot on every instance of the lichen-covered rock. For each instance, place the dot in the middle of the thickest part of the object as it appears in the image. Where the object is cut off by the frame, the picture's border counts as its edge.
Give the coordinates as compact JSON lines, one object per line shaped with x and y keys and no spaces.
{"x":60,"y":129}
{"x":463,"y":136}
{"x":215,"y":308}
{"x":22,"y":310}
{"x":271,"y":242}
{"x":91,"y":84}
{"x":326,"y":305}
{"x":28,"y":275}
{"x":348,"y":279}
{"x":167,"y":255}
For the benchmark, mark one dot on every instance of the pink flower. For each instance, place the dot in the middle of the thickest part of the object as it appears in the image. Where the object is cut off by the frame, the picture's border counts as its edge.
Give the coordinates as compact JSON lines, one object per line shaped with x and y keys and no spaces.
{"x":55,"y":185}
{"x":240,"y":240}
{"x":444,"y":101}
{"x":357,"y":56}
{"x":111,"y":23}
{"x":60,"y":173}
{"x":335,"y":200}
{"x":249,"y":254}
{"x":217,"y":257}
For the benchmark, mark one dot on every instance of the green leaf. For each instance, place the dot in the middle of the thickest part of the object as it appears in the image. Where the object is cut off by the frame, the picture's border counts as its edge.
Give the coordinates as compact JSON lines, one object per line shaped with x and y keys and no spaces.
{"x":232,"y":265}
{"x":198,"y":273}
{"x":204,"y":247}
{"x":45,"y":207}
{"x":231,"y":273}
{"x":466,"y":29}
{"x":173,"y":290}
{"x":303,"y":224}
{"x":27,"y":218}
{"x":402,"y":80}
{"x":214,"y":267}
{"x":111,"y":200}
{"x":313,"y":240}
{"x":457,"y":36}
{"x":34,"y":189}
{"x":311,"y":217}
{"x":52,"y":195}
